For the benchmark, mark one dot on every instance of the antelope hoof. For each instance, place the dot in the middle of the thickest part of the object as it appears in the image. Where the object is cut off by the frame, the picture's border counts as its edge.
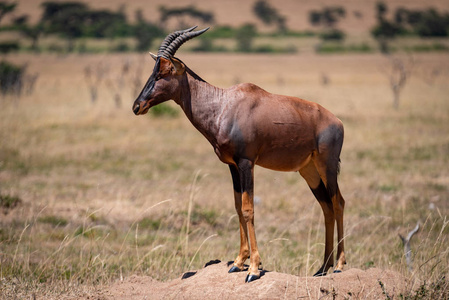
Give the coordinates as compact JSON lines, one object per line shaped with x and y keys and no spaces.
{"x":234,"y":269}
{"x":250,"y":278}
{"x":337,"y":271}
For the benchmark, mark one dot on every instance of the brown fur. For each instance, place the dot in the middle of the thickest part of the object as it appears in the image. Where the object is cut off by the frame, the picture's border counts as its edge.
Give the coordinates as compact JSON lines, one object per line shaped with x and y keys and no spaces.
{"x":249,"y":126}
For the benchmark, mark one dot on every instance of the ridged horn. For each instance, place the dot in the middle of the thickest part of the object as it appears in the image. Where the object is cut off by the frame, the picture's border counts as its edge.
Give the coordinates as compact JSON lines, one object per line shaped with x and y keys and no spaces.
{"x":169,"y":39}
{"x":170,"y":50}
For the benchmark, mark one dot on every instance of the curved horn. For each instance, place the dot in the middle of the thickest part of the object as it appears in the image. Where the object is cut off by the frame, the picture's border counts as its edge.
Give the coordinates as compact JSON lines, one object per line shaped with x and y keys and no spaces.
{"x":169,"y":39}
{"x":171,"y":49}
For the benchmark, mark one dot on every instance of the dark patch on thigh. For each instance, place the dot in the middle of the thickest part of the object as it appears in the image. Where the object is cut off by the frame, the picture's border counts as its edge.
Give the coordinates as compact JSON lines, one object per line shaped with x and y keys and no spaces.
{"x":333,"y":134}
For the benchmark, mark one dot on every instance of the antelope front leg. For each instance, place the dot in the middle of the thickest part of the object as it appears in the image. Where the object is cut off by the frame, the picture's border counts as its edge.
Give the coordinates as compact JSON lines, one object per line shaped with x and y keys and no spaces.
{"x":246,"y":172}
{"x":244,"y":246}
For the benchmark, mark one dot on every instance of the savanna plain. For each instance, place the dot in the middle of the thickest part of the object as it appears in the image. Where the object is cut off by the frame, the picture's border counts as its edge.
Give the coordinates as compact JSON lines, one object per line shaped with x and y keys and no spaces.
{"x":92,"y":194}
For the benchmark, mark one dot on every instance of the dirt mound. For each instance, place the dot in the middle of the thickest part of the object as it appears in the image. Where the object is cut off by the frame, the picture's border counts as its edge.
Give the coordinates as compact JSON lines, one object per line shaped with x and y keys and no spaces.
{"x":213,"y":282}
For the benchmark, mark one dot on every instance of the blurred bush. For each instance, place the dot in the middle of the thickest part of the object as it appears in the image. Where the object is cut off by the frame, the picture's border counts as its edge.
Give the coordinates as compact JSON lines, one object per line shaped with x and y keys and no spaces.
{"x":164,"y":110}
{"x":9,"y":46}
{"x":11,"y":78}
{"x":333,"y":35}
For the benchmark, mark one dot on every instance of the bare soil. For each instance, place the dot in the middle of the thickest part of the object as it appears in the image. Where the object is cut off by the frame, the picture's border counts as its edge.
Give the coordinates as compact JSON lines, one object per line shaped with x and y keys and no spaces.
{"x":213,"y":282}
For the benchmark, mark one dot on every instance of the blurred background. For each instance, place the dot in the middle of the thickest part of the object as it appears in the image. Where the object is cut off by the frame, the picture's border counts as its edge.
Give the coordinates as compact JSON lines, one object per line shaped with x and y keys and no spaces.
{"x":90,"y":193}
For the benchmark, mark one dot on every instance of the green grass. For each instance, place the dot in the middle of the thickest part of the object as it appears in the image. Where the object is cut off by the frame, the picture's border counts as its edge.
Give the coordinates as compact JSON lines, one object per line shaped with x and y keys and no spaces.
{"x":149,"y":224}
{"x":329,"y":48}
{"x":8,"y":201}
{"x":53,"y":220}
{"x":428,"y":48}
{"x":164,"y":110}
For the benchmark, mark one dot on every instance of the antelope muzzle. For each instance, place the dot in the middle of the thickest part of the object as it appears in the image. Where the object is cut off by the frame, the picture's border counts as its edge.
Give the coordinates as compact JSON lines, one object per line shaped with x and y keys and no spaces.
{"x":140,"y":107}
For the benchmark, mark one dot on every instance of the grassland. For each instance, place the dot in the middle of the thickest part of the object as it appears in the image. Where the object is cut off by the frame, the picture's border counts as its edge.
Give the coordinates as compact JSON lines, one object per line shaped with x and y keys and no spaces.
{"x":101,"y":194}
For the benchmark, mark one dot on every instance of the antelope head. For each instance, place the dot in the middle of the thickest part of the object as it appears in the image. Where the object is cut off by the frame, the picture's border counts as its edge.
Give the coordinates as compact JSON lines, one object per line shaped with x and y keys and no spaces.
{"x":168,"y":71}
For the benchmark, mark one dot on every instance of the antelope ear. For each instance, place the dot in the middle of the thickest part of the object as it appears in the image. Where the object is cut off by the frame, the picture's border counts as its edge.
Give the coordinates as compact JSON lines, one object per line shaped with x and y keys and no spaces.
{"x":178,"y":65}
{"x":154,"y":56}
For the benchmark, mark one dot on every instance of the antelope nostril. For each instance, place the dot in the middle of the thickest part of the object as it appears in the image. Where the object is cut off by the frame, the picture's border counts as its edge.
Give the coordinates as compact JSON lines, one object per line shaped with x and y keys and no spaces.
{"x":136,"y":109}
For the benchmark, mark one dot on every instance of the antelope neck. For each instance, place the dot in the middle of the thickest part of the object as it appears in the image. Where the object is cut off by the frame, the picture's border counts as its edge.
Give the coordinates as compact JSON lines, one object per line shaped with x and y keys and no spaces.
{"x":202,"y":103}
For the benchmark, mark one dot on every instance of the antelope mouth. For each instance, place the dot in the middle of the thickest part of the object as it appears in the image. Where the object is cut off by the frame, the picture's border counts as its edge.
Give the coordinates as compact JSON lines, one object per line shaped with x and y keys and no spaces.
{"x":136,"y":109}
{"x":140,"y":109}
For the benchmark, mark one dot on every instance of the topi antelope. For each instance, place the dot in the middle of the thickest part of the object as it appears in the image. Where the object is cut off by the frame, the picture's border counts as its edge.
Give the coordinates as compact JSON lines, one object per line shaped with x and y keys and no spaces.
{"x":248,"y":126}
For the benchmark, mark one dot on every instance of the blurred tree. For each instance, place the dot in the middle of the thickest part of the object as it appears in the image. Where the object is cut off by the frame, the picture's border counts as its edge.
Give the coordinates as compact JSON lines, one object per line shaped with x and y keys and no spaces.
{"x":433,"y":24}
{"x":385,"y":30}
{"x":426,"y":23}
{"x":104,"y":23}
{"x":32,"y":32}
{"x":245,"y":36}
{"x":181,"y":13}
{"x":73,"y":20}
{"x":6,"y":8}
{"x":269,"y":15}
{"x":328,"y":18}
{"x":7,"y":46}
{"x":381,"y":11}
{"x":145,"y":32}
{"x":398,"y":70}
{"x":20,"y":20}
{"x":401,"y":15}
{"x":65,"y":18}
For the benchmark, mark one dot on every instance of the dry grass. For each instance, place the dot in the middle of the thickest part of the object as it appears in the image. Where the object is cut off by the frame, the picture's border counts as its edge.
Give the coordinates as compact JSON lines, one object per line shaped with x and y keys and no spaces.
{"x":105,"y":194}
